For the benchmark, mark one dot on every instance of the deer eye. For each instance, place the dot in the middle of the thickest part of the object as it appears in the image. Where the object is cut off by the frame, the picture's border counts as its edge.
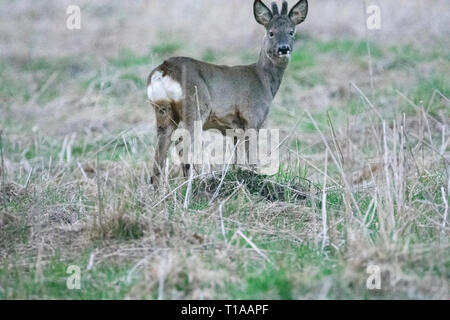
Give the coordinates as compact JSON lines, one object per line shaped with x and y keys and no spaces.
{"x":271,"y":34}
{"x":291,"y":33}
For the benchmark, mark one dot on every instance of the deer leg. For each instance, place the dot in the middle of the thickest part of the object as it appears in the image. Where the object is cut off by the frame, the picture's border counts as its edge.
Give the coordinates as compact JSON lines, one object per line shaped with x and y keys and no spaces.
{"x":251,"y":151}
{"x":235,"y":151}
{"x":189,"y":164}
{"x":165,"y":127}
{"x":183,"y":145}
{"x":194,"y":116}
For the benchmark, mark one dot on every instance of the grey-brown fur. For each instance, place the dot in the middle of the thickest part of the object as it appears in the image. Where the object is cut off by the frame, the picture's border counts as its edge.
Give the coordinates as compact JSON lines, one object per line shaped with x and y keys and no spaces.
{"x":225,"y":97}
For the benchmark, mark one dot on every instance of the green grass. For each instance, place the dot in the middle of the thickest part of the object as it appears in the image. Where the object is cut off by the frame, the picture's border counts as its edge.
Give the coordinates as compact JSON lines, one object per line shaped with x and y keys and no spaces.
{"x":48,"y":76}
{"x":409,"y":55}
{"x":302,"y":59}
{"x":349,"y":48}
{"x":211,"y":56}
{"x":427,"y":86}
{"x":270,"y":282}
{"x":128,"y":58}
{"x":166,"y":48}
{"x":104,"y":281}
{"x":134,"y":79}
{"x":13,"y":88}
{"x":302,"y":267}
{"x":424,"y":90}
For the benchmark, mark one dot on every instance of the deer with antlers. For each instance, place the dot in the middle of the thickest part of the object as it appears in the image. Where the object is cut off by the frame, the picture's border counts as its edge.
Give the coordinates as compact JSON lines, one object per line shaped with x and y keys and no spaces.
{"x":185,"y":90}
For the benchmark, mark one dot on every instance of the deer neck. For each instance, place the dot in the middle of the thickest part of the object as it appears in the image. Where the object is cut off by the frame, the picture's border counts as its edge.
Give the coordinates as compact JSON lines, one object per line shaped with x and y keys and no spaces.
{"x":270,"y":73}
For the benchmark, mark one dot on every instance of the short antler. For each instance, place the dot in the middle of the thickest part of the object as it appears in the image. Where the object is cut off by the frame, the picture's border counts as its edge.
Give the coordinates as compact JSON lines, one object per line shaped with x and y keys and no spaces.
{"x":275,"y":9}
{"x":284,"y":8}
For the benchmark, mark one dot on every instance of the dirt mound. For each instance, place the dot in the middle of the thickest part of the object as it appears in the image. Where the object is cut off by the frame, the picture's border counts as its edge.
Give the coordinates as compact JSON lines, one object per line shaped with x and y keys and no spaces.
{"x":219,"y":185}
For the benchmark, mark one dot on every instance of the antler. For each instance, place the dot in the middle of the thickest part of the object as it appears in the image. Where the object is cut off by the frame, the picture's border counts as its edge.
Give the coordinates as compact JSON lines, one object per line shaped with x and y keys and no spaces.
{"x":284,"y":8}
{"x":275,"y":9}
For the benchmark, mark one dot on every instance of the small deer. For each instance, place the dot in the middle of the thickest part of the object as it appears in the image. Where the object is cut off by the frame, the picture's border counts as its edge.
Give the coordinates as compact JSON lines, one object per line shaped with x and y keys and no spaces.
{"x":221,"y":97}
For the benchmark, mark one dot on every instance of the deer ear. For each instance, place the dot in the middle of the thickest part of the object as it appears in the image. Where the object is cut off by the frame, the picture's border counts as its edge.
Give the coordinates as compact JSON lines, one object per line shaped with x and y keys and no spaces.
{"x":299,"y":12}
{"x":262,"y":13}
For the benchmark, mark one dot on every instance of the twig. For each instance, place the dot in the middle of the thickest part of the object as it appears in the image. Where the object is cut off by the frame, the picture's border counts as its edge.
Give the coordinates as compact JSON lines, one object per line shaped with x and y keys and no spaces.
{"x":324,"y":203}
{"x":224,"y":172}
{"x":290,"y":133}
{"x":443,"y":142}
{"x":444,"y":199}
{"x":38,"y":265}
{"x":82,"y":170}
{"x":63,"y":149}
{"x":336,"y":144}
{"x":91,"y":261}
{"x":369,"y":53}
{"x":254,"y":247}
{"x":386,"y":172}
{"x":412,"y":104}
{"x":44,"y":88}
{"x":180,"y":186}
{"x":189,"y":188}
{"x":222,"y":224}
{"x":134,"y":268}
{"x":162,"y":276}
{"x":28,"y":178}
{"x":366,"y":100}
{"x":312,"y":165}
{"x":369,"y":209}
{"x":341,"y":171}
{"x":99,"y":196}
{"x":442,"y":95}
{"x":2,"y":168}
{"x":69,"y":148}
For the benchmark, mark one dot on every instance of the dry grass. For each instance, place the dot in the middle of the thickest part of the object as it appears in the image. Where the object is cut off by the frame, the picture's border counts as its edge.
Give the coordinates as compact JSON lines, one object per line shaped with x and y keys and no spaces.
{"x":77,"y":140}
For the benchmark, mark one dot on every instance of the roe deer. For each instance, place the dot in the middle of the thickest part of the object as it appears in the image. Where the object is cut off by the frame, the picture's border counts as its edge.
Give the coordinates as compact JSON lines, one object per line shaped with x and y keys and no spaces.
{"x":186,"y":90}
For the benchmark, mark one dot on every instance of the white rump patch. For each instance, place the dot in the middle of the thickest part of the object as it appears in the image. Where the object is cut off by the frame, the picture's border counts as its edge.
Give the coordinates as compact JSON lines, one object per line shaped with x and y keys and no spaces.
{"x":163,"y":88}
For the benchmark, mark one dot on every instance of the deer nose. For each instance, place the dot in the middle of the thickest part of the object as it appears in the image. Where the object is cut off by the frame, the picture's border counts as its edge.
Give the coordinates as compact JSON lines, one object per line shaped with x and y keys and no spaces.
{"x":284,"y":50}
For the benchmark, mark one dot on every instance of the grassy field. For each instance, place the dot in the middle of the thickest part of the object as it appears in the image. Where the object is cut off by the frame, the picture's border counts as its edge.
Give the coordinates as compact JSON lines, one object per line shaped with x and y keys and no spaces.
{"x":369,"y":132}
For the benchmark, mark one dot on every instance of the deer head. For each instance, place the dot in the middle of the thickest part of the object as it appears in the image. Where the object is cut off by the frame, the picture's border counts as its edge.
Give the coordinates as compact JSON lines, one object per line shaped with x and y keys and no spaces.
{"x":280,"y":27}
